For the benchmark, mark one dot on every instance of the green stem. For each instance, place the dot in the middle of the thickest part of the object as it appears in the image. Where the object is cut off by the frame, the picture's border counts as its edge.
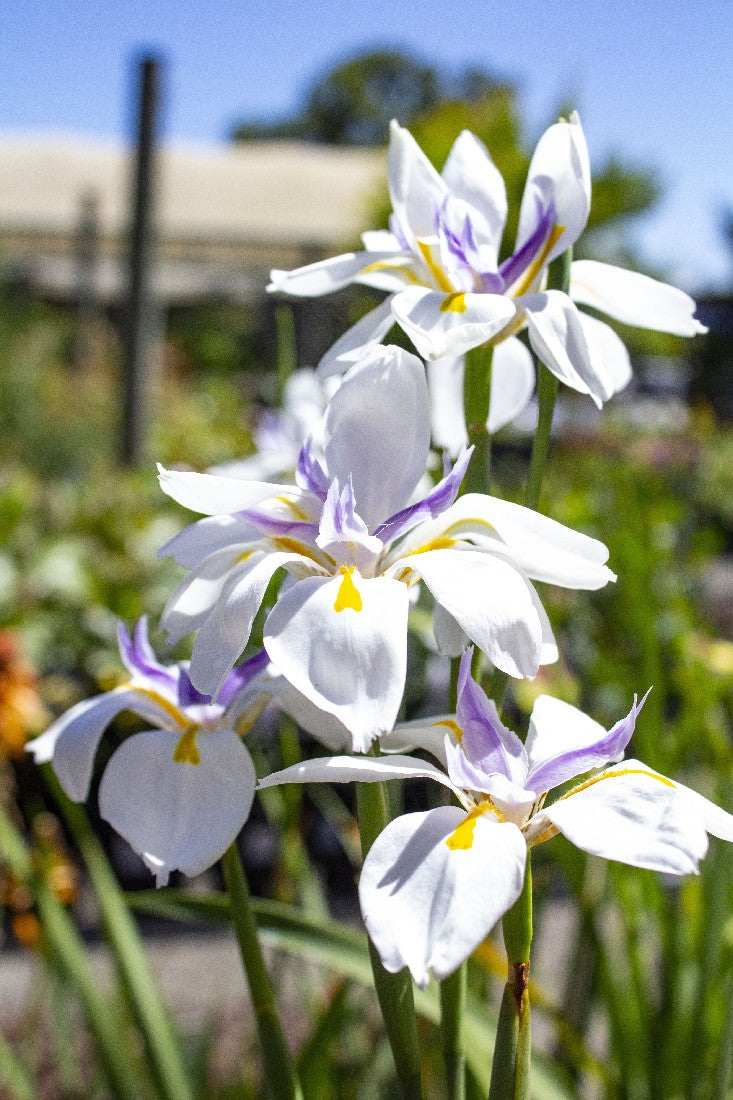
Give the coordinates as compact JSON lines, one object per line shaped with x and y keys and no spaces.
{"x":286,"y":349}
{"x":152,"y":1017}
{"x":476,"y":400}
{"x":14,"y":1076}
{"x":510,"y":1073}
{"x":452,"y":1004}
{"x":279,"y":1068}
{"x":558,"y":278}
{"x":394,"y":991}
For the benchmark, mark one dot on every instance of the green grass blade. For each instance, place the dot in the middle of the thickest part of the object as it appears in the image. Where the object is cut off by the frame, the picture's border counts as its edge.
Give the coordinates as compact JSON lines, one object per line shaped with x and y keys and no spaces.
{"x":14,"y":1077}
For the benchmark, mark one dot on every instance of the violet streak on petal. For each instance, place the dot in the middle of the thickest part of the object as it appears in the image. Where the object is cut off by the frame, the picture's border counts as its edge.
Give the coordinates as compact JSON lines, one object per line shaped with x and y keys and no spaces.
{"x":607,"y":749}
{"x":438,"y":500}
{"x":309,"y":474}
{"x":487,"y":743}
{"x":188,"y":695}
{"x":516,"y":265}
{"x":138,"y":657}
{"x":242,"y":675}
{"x":277,"y":527}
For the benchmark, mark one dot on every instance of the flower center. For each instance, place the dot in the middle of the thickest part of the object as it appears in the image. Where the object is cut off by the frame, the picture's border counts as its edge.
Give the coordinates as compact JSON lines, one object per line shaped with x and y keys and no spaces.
{"x":348,"y":593}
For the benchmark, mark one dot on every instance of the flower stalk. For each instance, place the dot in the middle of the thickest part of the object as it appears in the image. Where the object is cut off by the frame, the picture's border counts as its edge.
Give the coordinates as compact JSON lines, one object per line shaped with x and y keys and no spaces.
{"x":394,"y":991}
{"x":279,"y":1068}
{"x":510,"y":1074}
{"x":476,"y":401}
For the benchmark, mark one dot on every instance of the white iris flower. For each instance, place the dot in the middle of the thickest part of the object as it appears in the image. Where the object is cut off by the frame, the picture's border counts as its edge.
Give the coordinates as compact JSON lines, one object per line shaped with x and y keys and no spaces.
{"x":355,"y":544}
{"x":434,"y":884}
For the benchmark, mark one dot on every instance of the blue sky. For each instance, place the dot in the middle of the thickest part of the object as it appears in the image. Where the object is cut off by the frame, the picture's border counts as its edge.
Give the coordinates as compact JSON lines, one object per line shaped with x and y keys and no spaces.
{"x":651,"y":79}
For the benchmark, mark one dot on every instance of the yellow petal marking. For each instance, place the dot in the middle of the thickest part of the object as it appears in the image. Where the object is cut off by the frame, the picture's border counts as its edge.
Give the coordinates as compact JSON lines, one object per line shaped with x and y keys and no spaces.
{"x":454,"y":303}
{"x":453,"y":726}
{"x":536,"y":266}
{"x":396,"y":267}
{"x":293,"y":507}
{"x":244,"y":557}
{"x":461,"y":839}
{"x":169,"y":708}
{"x":441,"y":543}
{"x":348,"y":593}
{"x":614,"y":775}
{"x":186,"y":751}
{"x":293,"y":546}
{"x":437,"y":272}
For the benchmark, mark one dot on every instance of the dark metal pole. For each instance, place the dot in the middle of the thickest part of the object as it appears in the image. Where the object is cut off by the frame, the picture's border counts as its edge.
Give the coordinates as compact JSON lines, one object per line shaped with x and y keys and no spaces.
{"x":139,"y":314}
{"x":87,"y":309}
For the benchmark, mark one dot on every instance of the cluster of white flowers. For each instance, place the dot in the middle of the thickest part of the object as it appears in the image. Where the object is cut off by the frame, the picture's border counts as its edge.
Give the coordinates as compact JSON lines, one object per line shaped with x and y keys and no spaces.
{"x":354,"y":538}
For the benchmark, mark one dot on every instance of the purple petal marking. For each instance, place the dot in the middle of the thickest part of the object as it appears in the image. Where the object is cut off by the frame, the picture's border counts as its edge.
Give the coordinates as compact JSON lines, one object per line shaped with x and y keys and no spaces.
{"x":608,"y":749}
{"x":516,"y":265}
{"x":188,"y":695}
{"x":487,"y":743}
{"x":437,"y":501}
{"x":309,"y":474}
{"x":492,"y":282}
{"x":278,"y":527}
{"x":395,"y":228}
{"x":138,"y":656}
{"x":242,"y":675}
{"x":470,"y":778}
{"x":340,"y":522}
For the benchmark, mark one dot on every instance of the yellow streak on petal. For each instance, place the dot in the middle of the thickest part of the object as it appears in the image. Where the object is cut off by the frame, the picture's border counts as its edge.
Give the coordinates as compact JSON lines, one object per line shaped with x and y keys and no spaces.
{"x":186,"y":751}
{"x":537,"y":265}
{"x":169,"y":708}
{"x":244,"y":557}
{"x":454,"y":303}
{"x":395,"y":267}
{"x":441,"y":543}
{"x":348,"y":594}
{"x":293,"y":546}
{"x":461,"y":839}
{"x":615,"y":775}
{"x":453,"y":726}
{"x":436,"y":271}
{"x":293,"y":507}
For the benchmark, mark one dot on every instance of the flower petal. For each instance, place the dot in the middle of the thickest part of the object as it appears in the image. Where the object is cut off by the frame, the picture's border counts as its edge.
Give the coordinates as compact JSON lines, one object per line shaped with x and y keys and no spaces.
{"x":377,"y":431}
{"x":630,"y":814}
{"x":558,"y":177}
{"x":426,"y":734}
{"x":348,"y":656}
{"x":450,"y":638}
{"x":472,"y":176}
{"x":225,"y":632}
{"x":427,"y":904}
{"x":607,"y":349}
{"x":357,"y":769}
{"x":327,"y":729}
{"x":564,"y":742}
{"x":195,"y":542}
{"x":178,"y":816}
{"x":212,"y":494}
{"x":558,"y":338}
{"x":449,"y":324}
{"x":491,"y":601}
{"x":512,"y":382}
{"x":486,"y":741}
{"x":325,"y":276}
{"x":415,"y":188}
{"x":633,"y":299}
{"x":358,"y":340}
{"x":71,"y":742}
{"x":193,"y":598}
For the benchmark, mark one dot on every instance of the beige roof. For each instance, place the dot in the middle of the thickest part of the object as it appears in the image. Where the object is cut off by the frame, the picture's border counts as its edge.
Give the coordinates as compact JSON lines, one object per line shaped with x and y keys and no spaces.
{"x":262,"y":191}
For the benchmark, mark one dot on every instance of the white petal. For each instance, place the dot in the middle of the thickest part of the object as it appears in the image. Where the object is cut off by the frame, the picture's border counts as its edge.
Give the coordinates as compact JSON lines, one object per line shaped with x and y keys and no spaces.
{"x":325,"y":276}
{"x":607,"y":349}
{"x":426,"y":734}
{"x":377,"y":432}
{"x":445,"y":384}
{"x":556,"y":728}
{"x":512,"y":382}
{"x":559,"y":172}
{"x":428,"y":906}
{"x":541,"y":547}
{"x":357,"y":341}
{"x":71,"y":742}
{"x":633,"y":299}
{"x":349,"y":662}
{"x":713,"y":819}
{"x":193,"y":598}
{"x":380,"y":240}
{"x":450,"y":638}
{"x":441,"y":324}
{"x":326,"y":728}
{"x":213,"y":495}
{"x":415,"y":187}
{"x":472,"y":176}
{"x":178,"y":816}
{"x":225,"y":632}
{"x":491,"y":601}
{"x":557,"y":337}
{"x":202,"y":538}
{"x":357,"y":769}
{"x":630,"y":814}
